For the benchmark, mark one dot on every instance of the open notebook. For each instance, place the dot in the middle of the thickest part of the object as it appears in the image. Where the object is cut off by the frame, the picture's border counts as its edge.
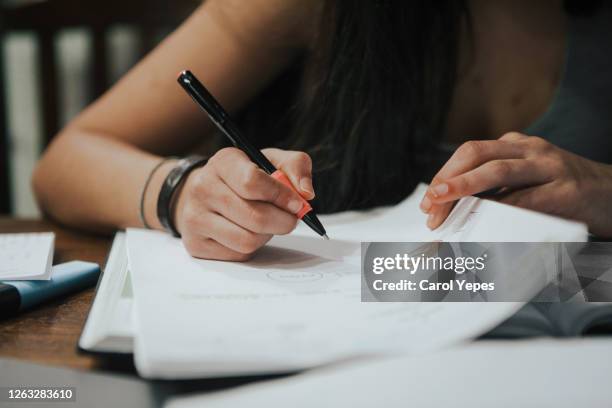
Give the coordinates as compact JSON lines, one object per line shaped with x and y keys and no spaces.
{"x":297,"y":303}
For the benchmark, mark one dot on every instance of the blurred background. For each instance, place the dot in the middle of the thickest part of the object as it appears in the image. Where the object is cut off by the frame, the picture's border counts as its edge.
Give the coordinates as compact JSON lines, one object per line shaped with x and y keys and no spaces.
{"x":56,"y":57}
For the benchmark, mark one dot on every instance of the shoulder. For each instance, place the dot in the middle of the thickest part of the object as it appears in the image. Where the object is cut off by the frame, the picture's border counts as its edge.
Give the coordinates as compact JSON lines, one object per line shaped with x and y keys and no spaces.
{"x":274,"y":23}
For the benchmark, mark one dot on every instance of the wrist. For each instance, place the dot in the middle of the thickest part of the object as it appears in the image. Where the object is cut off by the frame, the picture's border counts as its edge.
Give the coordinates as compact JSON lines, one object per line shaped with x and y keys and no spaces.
{"x":167,"y":192}
{"x":595,"y":201}
{"x":152,"y":194}
{"x":179,"y":200}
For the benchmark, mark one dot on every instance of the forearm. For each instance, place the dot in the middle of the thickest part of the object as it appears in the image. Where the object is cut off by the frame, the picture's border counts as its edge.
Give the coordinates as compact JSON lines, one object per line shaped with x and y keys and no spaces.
{"x":95,"y":182}
{"x":93,"y":173}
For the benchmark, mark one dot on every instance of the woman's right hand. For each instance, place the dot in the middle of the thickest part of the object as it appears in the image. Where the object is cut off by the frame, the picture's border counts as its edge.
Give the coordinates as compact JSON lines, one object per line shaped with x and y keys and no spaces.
{"x":229,"y":208}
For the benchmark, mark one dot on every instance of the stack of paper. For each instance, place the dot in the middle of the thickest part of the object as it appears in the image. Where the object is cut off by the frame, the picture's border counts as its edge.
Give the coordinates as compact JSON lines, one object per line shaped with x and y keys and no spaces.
{"x":297,"y":303}
{"x":26,"y":256}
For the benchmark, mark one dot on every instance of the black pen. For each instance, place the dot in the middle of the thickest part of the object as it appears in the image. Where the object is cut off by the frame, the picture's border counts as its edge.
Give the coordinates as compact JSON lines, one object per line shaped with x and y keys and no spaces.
{"x":221,"y":119}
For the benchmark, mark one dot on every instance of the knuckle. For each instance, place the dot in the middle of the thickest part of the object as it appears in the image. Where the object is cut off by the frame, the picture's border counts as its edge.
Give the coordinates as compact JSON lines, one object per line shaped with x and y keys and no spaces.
{"x":303,"y":157}
{"x":196,"y":247}
{"x":187,"y":219}
{"x":217,"y":157}
{"x":197,"y":177}
{"x":289,"y":225}
{"x":509,"y":136}
{"x":538,"y":143}
{"x":258,"y":219}
{"x":463,"y":184}
{"x":198,"y":180}
{"x":275,"y":194}
{"x":225,"y":153}
{"x":190,"y":216}
{"x":437,"y":179}
{"x":472,"y":148}
{"x":250,"y":178}
{"x":571,"y":190}
{"x":554,"y":165}
{"x":224,"y":200}
{"x":248,"y":243}
{"x":500,"y":169}
{"x":193,"y":224}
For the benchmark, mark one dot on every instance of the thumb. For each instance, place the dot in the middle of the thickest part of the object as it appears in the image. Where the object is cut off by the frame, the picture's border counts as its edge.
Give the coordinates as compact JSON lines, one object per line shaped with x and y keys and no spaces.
{"x":297,"y":166}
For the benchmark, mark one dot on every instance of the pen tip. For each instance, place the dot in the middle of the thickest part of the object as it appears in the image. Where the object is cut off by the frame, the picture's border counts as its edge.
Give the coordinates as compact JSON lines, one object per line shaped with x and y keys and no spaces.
{"x":325,"y":237}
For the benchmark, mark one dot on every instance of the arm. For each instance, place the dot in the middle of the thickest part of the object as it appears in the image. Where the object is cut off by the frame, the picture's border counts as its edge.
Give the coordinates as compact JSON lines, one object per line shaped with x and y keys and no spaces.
{"x":102,"y":158}
{"x":92,"y":174}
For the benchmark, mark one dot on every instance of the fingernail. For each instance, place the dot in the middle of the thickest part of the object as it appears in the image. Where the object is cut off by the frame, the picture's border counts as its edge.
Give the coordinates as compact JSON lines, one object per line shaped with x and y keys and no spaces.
{"x":425,"y":204}
{"x":294,"y":206}
{"x":439,"y":189}
{"x":306,"y":185}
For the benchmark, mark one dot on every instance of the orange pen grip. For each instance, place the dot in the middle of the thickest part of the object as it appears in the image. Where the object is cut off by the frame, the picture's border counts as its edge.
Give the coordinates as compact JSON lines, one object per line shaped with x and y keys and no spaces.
{"x":282,"y":177}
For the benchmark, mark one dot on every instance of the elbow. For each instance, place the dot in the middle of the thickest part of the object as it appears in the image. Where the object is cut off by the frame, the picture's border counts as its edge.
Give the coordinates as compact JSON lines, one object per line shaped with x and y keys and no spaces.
{"x":46,"y":177}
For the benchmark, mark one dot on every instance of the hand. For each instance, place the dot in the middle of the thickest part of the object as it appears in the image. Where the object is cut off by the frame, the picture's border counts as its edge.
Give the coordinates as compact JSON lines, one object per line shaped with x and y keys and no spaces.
{"x":229,"y":208}
{"x":532,"y":173}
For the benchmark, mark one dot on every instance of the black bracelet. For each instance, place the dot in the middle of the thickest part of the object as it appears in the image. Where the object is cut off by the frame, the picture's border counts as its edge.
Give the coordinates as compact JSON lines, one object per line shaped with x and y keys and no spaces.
{"x":143,"y":194}
{"x":171,"y":183}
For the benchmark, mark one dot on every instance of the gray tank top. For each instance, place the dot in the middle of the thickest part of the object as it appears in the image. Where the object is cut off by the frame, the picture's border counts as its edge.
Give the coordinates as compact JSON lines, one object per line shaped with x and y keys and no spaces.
{"x":579,"y":118}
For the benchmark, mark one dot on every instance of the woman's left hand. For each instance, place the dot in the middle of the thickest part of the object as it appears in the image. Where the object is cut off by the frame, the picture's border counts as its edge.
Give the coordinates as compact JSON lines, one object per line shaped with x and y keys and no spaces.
{"x":531,"y":173}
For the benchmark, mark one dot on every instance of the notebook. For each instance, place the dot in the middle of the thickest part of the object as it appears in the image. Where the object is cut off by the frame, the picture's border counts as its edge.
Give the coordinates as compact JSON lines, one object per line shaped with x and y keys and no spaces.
{"x":296,"y":305}
{"x":26,"y":256}
{"x":109,"y":325}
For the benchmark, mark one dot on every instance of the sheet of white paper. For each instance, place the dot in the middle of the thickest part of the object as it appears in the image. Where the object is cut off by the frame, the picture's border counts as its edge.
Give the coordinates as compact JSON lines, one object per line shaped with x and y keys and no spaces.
{"x":404,"y":222}
{"x":282,"y":311}
{"x":26,"y":256}
{"x":540,"y":373}
{"x":472,"y":220}
{"x":478,"y":220}
{"x":297,"y":303}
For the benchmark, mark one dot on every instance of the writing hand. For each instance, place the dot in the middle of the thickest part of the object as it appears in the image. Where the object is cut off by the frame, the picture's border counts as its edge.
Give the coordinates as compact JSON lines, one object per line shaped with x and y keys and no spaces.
{"x":230,"y":208}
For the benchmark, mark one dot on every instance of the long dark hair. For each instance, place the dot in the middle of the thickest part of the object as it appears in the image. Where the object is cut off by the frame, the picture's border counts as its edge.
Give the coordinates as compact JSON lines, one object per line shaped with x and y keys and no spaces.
{"x":376,"y":94}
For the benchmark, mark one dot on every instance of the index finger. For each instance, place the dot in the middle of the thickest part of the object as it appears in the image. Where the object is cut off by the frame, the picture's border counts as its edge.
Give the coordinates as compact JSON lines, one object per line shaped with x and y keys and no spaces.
{"x":474,"y":153}
{"x":248,"y":181}
{"x":297,"y":166}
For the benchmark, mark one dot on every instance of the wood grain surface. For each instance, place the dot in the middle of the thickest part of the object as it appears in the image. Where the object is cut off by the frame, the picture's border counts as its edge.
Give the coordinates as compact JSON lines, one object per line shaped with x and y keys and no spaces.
{"x":49,"y":333}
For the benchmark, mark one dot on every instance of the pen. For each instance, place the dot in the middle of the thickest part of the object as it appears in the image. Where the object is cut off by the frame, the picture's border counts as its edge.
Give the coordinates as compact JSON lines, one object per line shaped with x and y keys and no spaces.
{"x":221,"y":119}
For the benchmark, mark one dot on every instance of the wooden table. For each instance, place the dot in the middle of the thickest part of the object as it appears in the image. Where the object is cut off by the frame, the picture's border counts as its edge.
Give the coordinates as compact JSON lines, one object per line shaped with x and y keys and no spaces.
{"x":49,"y":334}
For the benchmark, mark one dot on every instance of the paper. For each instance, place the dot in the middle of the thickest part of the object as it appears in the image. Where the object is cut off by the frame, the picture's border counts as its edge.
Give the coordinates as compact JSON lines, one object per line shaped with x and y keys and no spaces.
{"x":283,"y":311}
{"x":297,"y":303}
{"x":471,"y":220}
{"x":26,"y":256}
{"x":478,"y":220}
{"x":542,"y":373}
{"x":110,"y":325}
